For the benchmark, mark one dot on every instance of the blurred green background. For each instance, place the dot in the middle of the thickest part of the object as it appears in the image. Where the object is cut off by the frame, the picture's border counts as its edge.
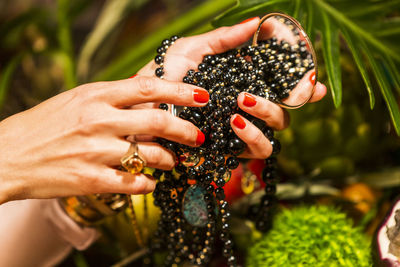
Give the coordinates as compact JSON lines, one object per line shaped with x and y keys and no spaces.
{"x":350,"y":137}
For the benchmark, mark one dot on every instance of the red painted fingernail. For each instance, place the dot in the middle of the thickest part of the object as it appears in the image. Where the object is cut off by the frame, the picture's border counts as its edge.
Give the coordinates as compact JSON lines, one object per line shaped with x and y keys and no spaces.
{"x":200,"y":138}
{"x":200,"y":95}
{"x":312,"y":78}
{"x":133,"y":76}
{"x":239,"y":122}
{"x":247,"y":20}
{"x":249,"y":100}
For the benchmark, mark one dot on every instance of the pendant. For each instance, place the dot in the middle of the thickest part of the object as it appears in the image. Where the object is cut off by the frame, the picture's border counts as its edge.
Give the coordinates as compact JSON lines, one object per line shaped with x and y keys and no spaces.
{"x":195,"y":207}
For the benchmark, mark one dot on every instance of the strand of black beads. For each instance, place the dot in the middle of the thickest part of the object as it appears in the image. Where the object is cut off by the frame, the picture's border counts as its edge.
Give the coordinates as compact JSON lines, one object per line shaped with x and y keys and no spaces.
{"x":161,"y":52}
{"x":268,"y":203}
{"x":159,"y":60}
{"x":225,"y":235}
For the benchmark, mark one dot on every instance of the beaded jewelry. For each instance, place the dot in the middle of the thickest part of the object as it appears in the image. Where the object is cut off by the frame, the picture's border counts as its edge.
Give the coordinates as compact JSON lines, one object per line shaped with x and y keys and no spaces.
{"x":191,"y":197}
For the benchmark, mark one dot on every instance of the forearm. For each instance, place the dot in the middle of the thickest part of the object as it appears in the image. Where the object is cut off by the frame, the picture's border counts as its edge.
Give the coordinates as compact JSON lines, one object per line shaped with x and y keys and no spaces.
{"x":38,"y":233}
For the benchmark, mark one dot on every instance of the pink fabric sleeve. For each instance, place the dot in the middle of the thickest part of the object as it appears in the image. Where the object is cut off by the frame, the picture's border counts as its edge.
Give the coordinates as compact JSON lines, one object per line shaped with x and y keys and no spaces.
{"x":37,"y":232}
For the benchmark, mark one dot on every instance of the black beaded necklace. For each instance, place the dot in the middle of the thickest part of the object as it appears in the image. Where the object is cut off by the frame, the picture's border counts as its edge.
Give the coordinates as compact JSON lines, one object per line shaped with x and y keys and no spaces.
{"x":191,"y":197}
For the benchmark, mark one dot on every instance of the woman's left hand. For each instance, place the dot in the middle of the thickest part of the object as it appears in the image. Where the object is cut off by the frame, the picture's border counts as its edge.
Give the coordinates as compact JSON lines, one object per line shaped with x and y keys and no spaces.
{"x":187,"y":53}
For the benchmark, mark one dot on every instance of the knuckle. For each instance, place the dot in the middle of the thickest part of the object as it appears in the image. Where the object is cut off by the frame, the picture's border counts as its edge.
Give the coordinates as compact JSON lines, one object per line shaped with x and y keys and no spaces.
{"x":90,"y":183}
{"x":158,"y":121}
{"x":88,"y":92}
{"x":181,"y":90}
{"x":256,"y":139}
{"x":146,"y":86}
{"x":140,"y":184}
{"x":90,"y":123}
{"x":154,"y":155}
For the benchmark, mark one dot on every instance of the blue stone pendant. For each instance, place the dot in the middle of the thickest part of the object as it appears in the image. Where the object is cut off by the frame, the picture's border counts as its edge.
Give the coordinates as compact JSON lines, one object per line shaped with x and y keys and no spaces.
{"x":195,"y":207}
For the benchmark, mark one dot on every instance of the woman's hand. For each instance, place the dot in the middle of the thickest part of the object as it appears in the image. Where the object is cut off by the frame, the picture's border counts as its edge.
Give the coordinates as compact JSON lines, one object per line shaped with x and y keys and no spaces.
{"x":71,"y":143}
{"x":187,"y":53}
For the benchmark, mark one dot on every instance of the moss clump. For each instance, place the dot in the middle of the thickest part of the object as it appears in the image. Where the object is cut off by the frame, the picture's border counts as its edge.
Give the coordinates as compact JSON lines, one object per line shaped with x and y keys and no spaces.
{"x":311,"y":236}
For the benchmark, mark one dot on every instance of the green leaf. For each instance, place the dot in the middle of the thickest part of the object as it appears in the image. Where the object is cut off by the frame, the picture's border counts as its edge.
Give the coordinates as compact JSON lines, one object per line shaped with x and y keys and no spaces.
{"x":386,"y":90}
{"x":310,"y":21}
{"x":112,"y":14}
{"x":393,"y":72}
{"x":387,"y":27}
{"x":331,"y":52}
{"x":363,"y":33}
{"x":371,"y":8}
{"x":5,"y":77}
{"x":296,"y":11}
{"x":351,"y":42}
{"x":245,"y":9}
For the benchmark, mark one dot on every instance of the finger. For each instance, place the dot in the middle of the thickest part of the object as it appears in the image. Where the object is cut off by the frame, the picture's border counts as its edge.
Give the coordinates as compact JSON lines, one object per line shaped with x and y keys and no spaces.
{"x":319,"y":93}
{"x":303,"y":90}
{"x":273,"y":115}
{"x":258,"y":146}
{"x":158,"y":123}
{"x":216,"y":41}
{"x":141,"y":89}
{"x":116,"y":181}
{"x":153,"y":154}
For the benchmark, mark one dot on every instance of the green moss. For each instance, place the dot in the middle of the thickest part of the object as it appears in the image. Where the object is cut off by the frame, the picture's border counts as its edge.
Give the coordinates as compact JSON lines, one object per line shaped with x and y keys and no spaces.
{"x":311,"y":236}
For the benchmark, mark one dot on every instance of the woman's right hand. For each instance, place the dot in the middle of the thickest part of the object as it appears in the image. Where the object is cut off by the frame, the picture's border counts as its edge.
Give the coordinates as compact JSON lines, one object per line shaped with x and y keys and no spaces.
{"x":72,"y":143}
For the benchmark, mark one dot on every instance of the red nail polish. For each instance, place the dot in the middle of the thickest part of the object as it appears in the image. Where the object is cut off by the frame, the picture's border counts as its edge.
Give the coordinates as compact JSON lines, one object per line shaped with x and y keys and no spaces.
{"x":249,"y":100}
{"x":200,"y":96}
{"x":239,"y":122}
{"x":247,"y":20}
{"x":200,"y":138}
{"x":133,"y":76}
{"x":312,"y":78}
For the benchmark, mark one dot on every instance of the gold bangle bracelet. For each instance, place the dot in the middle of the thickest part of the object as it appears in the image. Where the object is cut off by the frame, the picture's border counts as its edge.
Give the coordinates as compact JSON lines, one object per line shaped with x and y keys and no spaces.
{"x":91,"y":209}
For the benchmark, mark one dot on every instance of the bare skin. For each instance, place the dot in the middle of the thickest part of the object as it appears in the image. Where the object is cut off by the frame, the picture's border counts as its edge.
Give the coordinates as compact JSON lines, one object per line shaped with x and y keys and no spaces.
{"x":72,"y":143}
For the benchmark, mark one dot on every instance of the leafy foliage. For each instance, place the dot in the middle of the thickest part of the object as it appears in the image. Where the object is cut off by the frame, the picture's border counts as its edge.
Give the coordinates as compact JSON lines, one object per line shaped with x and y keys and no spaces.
{"x":311,"y":236}
{"x":370,"y":29}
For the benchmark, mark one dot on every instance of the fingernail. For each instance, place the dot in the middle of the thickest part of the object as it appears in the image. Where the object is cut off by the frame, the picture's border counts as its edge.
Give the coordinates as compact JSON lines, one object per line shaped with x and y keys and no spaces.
{"x":247,"y":20}
{"x":200,"y":138}
{"x":312,"y":78}
{"x":249,"y":100}
{"x":200,"y":96}
{"x":239,"y":122}
{"x":133,"y":76}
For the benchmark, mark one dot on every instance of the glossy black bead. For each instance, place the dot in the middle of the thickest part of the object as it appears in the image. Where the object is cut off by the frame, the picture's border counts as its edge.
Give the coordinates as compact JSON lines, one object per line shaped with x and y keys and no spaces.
{"x":220,"y":182}
{"x":159,"y":72}
{"x":166,"y":42}
{"x":163,"y":106}
{"x":276,"y":146}
{"x":270,"y":189}
{"x":174,"y":38}
{"x":159,"y":59}
{"x":232,"y":163}
{"x":236,"y":146}
{"x":219,"y":192}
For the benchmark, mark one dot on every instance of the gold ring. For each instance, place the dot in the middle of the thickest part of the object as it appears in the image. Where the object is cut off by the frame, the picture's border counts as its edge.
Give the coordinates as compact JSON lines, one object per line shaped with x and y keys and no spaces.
{"x":132,"y":161}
